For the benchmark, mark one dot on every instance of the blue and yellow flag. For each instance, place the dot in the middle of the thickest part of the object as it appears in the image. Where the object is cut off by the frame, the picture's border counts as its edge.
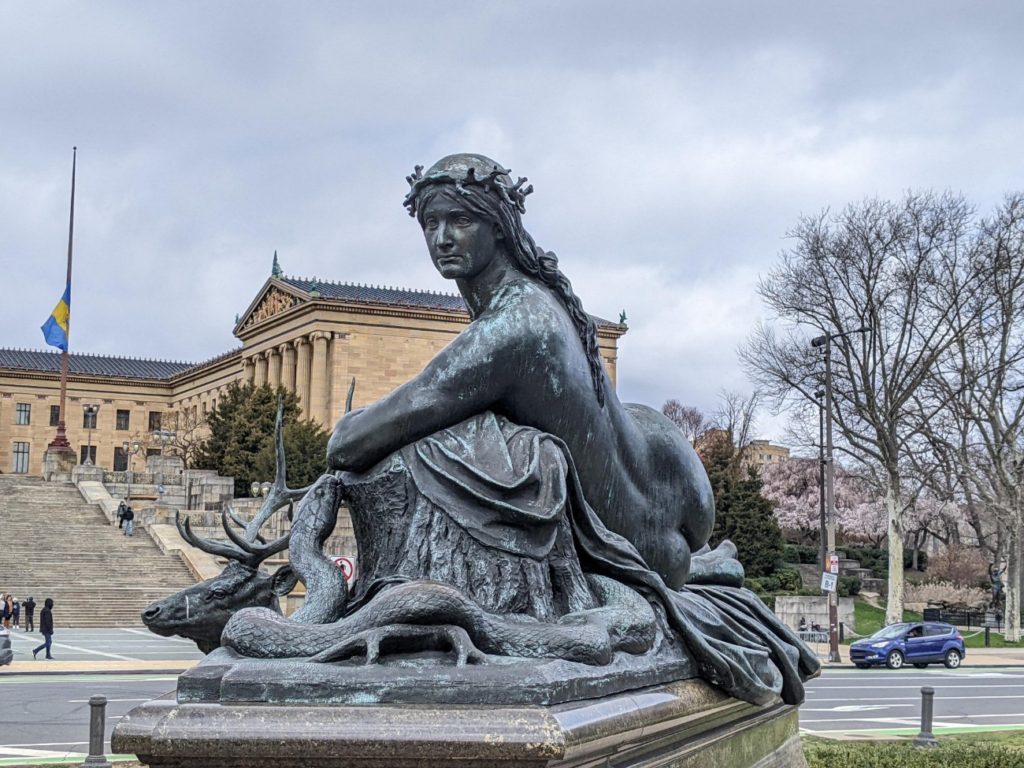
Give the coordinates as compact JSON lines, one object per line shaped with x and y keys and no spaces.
{"x":55,"y":329}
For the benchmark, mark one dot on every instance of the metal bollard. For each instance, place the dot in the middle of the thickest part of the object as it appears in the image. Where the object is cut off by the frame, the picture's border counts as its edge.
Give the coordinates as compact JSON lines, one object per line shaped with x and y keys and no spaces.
{"x":988,"y":637}
{"x":926,"y":738}
{"x":97,"y":710}
{"x":842,"y":632}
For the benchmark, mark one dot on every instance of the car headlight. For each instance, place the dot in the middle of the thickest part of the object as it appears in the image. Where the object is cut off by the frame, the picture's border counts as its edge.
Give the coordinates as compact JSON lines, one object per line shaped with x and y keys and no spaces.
{"x":879,"y":645}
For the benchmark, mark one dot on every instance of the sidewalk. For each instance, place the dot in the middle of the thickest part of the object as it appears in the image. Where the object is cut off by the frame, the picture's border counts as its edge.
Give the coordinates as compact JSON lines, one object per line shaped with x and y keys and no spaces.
{"x":976,"y":657}
{"x":78,"y":667}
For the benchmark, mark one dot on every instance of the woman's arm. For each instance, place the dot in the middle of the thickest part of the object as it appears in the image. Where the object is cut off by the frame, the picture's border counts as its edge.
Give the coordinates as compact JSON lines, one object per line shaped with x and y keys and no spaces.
{"x":465,"y":378}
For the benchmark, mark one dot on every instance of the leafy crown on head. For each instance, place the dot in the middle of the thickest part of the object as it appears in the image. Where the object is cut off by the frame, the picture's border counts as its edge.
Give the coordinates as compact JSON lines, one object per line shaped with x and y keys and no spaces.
{"x":497,"y":180}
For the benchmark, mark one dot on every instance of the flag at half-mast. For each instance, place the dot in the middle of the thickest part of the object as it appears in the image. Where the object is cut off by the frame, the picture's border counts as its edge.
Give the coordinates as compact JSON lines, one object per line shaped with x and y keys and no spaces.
{"x":55,"y":329}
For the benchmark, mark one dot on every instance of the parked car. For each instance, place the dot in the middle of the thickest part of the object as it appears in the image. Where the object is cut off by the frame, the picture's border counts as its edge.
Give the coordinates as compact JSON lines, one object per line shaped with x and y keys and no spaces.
{"x":917,"y":643}
{"x":6,"y":654}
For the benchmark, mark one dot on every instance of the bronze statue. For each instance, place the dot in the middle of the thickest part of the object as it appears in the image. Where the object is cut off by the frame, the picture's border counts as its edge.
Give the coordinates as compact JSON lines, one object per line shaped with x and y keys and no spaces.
{"x":508,"y":506}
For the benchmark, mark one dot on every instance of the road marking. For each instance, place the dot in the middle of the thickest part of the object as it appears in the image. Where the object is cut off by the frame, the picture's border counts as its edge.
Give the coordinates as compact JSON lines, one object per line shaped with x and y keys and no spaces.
{"x":84,"y":650}
{"x":151,"y":636}
{"x":109,"y":701}
{"x":13,"y":752}
{"x":918,"y":698}
{"x":857,"y":708}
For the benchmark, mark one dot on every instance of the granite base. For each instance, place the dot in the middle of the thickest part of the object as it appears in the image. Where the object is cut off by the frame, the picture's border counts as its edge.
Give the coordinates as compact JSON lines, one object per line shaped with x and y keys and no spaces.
{"x":686,"y":724}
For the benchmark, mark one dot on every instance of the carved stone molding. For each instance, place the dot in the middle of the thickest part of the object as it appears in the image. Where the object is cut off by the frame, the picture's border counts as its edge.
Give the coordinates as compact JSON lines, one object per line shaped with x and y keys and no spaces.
{"x":274,"y":303}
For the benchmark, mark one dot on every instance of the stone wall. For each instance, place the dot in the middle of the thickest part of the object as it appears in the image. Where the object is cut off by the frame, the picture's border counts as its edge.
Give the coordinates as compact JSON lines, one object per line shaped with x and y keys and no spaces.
{"x":789,"y":609}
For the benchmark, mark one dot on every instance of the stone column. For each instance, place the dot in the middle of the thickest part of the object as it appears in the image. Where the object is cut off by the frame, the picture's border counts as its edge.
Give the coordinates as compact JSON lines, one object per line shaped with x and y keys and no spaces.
{"x":338,"y":382}
{"x":318,"y":379}
{"x":261,"y":370}
{"x":248,"y":370}
{"x":302,"y":350}
{"x":273,"y":368}
{"x":287,"y":352}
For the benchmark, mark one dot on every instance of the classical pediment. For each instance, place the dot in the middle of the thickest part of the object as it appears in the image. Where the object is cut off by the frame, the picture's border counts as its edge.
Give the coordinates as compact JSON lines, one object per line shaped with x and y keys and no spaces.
{"x":273,"y":302}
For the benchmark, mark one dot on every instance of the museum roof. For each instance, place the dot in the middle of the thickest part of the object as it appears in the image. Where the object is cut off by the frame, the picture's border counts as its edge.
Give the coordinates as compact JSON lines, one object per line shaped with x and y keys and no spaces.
{"x":91,"y":365}
{"x":383,"y":294}
{"x":378,"y":294}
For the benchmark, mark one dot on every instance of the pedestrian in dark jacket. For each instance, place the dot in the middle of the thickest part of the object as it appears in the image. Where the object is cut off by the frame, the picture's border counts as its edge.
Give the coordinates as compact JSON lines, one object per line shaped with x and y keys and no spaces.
{"x":120,"y":513}
{"x":30,"y":612}
{"x":6,"y":612}
{"x":16,"y":614}
{"x":129,"y":522}
{"x":46,"y":628}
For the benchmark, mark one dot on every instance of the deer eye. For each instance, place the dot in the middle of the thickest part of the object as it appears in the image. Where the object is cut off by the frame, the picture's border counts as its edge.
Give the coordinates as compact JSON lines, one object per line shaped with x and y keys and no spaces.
{"x":218,"y":594}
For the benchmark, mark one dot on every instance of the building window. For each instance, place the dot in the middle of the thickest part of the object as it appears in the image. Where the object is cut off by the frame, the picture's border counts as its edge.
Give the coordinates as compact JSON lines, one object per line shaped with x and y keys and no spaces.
{"x":23,"y":413}
{"x":21,"y":458}
{"x":154,"y":421}
{"x":120,"y":460}
{"x":89,"y":420}
{"x":87,"y":452}
{"x":152,"y":452}
{"x":124,"y":418}
{"x":54,"y":415}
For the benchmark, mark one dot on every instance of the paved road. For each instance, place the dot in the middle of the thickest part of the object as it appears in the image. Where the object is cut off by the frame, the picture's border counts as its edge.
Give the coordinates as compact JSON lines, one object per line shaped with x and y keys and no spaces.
{"x":882,"y":701}
{"x":47,"y":716}
{"x":127,"y":644}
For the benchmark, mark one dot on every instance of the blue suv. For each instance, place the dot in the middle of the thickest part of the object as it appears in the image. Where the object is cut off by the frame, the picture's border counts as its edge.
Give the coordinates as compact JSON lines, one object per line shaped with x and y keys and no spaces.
{"x":917,"y":643}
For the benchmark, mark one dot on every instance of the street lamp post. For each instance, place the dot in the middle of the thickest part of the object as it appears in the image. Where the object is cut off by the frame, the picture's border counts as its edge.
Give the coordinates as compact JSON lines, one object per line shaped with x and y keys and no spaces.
{"x":130,"y":449}
{"x":89,"y":412}
{"x":822,"y":524}
{"x":825,"y":341}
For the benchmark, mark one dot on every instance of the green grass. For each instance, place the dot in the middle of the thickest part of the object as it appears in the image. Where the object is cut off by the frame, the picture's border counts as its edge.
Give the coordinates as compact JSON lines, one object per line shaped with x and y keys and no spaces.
{"x":868,"y":619}
{"x":1002,"y":749}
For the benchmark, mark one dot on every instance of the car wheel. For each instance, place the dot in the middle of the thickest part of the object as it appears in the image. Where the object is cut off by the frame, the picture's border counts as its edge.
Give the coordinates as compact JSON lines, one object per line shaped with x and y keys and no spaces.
{"x":920,"y":666}
{"x":952,"y":660}
{"x":863,"y":666}
{"x":894,"y":660}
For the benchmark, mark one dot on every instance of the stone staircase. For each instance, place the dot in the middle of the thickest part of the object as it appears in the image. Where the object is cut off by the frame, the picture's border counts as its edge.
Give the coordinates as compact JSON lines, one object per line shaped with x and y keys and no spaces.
{"x":55,"y":544}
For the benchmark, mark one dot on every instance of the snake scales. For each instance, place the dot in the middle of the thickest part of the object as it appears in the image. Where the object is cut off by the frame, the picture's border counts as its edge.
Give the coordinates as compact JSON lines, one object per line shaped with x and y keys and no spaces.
{"x":410,"y":614}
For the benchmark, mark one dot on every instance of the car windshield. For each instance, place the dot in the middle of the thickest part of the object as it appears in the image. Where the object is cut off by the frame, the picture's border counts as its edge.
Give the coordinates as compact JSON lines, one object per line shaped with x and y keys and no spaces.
{"x":887,"y":633}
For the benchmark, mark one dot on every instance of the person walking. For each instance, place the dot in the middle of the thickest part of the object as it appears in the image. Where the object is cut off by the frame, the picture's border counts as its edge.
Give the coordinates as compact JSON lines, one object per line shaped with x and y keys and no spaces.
{"x":129,"y":521}
{"x":120,"y":513}
{"x":30,"y":612}
{"x":7,"y":611}
{"x":16,"y":613}
{"x":46,"y":628}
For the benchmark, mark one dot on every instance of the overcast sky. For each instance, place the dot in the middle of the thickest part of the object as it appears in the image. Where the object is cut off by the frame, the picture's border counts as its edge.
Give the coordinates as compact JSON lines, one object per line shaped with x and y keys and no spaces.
{"x":671,"y":146}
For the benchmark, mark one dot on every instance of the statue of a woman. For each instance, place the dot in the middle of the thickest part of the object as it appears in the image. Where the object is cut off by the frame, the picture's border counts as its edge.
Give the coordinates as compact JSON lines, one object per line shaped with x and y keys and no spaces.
{"x":531,"y":355}
{"x":505,"y":502}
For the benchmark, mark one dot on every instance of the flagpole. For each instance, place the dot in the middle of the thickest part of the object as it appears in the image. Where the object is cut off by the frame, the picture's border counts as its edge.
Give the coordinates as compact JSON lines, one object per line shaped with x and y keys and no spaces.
{"x":60,"y":442}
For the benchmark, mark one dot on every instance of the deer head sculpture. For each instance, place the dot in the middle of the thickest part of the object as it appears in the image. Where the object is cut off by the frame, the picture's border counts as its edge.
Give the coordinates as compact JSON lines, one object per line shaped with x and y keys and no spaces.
{"x":199,"y":612}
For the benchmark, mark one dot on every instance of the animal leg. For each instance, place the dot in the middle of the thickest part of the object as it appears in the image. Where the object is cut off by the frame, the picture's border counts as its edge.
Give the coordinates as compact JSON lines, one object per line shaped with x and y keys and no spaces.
{"x":405,"y":638}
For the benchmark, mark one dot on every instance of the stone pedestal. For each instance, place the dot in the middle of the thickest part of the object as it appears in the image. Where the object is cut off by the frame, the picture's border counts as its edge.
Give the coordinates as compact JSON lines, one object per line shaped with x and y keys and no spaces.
{"x":686,"y":724}
{"x":58,"y":463}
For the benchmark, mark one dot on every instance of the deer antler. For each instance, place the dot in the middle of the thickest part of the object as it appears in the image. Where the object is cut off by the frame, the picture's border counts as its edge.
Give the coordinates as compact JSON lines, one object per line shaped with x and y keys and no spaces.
{"x":244,"y":552}
{"x":280,"y":495}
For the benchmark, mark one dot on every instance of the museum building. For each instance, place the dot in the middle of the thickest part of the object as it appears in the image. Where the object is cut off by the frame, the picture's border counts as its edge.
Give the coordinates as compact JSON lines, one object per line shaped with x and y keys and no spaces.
{"x":309,"y":336}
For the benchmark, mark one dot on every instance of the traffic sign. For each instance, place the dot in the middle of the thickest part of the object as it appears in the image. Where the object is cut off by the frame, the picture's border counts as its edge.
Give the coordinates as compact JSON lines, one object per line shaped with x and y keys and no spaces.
{"x":833,"y":563}
{"x":347,"y":566}
{"x":829,"y":581}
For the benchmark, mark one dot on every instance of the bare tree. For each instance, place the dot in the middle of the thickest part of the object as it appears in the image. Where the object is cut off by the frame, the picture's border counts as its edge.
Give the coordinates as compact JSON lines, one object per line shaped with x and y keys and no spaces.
{"x":689,"y":419}
{"x":981,"y":434}
{"x":190,"y":432}
{"x":897,"y":269}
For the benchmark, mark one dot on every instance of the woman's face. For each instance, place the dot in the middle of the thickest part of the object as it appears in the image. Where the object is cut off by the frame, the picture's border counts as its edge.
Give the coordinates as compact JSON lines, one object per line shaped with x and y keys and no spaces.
{"x":462,"y":244}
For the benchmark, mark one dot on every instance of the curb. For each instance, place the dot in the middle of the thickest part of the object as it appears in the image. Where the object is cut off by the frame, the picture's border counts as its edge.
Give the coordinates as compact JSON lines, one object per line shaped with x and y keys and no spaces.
{"x":58,"y":672}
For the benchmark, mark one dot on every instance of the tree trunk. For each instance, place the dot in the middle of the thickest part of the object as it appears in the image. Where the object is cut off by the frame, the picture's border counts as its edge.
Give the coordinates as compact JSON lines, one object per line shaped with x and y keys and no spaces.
{"x":894,"y":509}
{"x":1011,"y":585}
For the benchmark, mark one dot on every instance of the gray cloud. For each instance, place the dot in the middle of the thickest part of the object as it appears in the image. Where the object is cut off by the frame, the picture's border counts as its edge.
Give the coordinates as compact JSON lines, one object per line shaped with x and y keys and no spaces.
{"x":672,"y":145}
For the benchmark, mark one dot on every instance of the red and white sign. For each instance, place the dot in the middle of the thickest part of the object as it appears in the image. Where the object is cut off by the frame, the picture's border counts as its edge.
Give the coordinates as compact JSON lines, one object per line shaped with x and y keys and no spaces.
{"x":347,"y":566}
{"x":833,"y":563}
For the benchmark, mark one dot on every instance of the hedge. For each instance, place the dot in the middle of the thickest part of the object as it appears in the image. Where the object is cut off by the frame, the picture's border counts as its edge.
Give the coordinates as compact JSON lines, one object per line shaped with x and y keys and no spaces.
{"x":852,"y":754}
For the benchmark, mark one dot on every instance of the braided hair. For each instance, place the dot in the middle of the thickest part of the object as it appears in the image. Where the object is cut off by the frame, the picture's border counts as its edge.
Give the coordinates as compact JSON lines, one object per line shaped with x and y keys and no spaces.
{"x":492,"y":196}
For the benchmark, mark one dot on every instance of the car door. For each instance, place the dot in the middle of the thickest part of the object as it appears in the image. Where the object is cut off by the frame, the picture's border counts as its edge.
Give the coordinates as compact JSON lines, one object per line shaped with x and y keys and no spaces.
{"x":935,"y":636}
{"x":916,"y":644}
